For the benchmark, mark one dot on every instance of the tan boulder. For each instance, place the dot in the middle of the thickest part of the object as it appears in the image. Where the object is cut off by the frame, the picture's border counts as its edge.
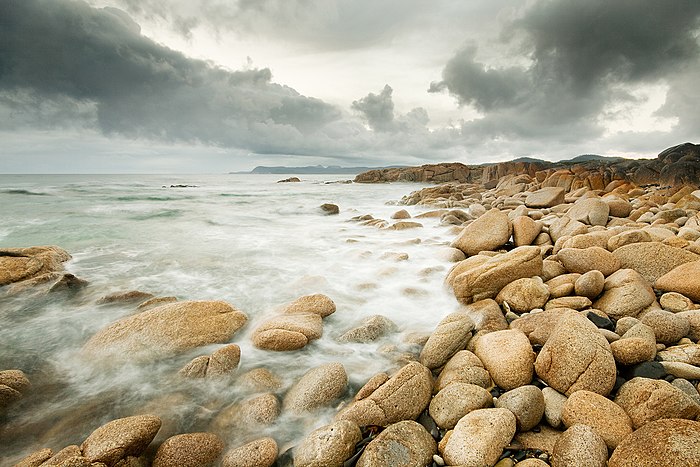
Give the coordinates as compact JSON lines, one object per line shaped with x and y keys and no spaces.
{"x":167,"y":330}
{"x":488,"y":314}
{"x":526,"y":403}
{"x":261,"y":452}
{"x":538,"y":326}
{"x":403,"y":444}
{"x":189,"y":450}
{"x":403,"y":397}
{"x":487,"y":279}
{"x":566,"y":226}
{"x":288,"y":331}
{"x":222,"y":362}
{"x":120,"y":438}
{"x":576,"y":356}
{"x":317,"y":388}
{"x":637,"y":345}
{"x":328,"y":446}
{"x":653,"y":259}
{"x":371,"y":329}
{"x":488,"y":232}
{"x":591,"y":211}
{"x":18,"y":264}
{"x":675,"y":302}
{"x":589,"y":259}
{"x":401,"y":214}
{"x":626,"y":293}
{"x":450,"y":336}
{"x":661,"y":443}
{"x":668,"y":327}
{"x":455,"y":401}
{"x":523,"y":295}
{"x":607,"y":418}
{"x":687,"y":353}
{"x":525,"y":230}
{"x":464,"y":367}
{"x":545,"y":197}
{"x":508,"y":357}
{"x":250,"y":414}
{"x":618,"y":207}
{"x":318,"y":304}
{"x":479,"y":437}
{"x":463,"y":266}
{"x":580,"y":445}
{"x":35,"y":459}
{"x":590,"y":284}
{"x":646,"y":400}
{"x":684,"y":279}
{"x":628,"y":237}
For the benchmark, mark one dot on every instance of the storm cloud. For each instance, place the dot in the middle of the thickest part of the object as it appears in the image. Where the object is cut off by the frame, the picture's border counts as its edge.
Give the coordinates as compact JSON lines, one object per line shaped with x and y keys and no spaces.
{"x":96,"y":66}
{"x":584,"y":57}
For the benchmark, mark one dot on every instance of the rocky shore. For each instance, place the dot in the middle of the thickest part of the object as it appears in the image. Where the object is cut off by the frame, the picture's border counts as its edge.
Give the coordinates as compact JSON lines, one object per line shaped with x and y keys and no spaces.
{"x":575,"y":341}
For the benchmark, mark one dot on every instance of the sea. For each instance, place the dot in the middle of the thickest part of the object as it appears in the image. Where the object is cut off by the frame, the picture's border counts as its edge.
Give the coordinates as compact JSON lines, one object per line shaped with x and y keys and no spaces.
{"x":242,"y":238}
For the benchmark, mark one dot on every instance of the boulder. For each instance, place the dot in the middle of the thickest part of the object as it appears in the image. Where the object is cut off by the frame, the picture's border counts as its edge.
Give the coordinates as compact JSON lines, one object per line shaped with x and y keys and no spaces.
{"x":330,"y":209}
{"x":479,"y":437}
{"x":684,"y":279}
{"x":591,"y":211}
{"x":661,"y":443}
{"x":525,"y":230}
{"x":120,"y":438}
{"x":261,"y":452}
{"x":222,"y":362}
{"x":18,"y":264}
{"x":288,"y":331}
{"x":319,"y":304}
{"x":628,"y":237}
{"x":545,"y":197}
{"x":488,"y":232}
{"x":189,"y":450}
{"x":646,"y":400}
{"x":566,"y":226}
{"x":317,"y":388}
{"x":328,"y":446}
{"x":523,"y":295}
{"x":403,"y":397}
{"x":464,"y":367}
{"x":451,"y":335}
{"x":455,"y":401}
{"x":668,"y":327}
{"x":653,"y":259}
{"x":487,"y":279}
{"x":593,"y":258}
{"x":590,"y":284}
{"x":250,"y":414}
{"x":526,"y":403}
{"x":553,"y":406}
{"x":371,"y":329}
{"x":626,"y":293}
{"x":580,"y":445}
{"x":637,"y":345}
{"x":576,"y":356}
{"x":606,"y":418}
{"x":166,"y":330}
{"x":538,"y":326}
{"x":403,"y":444}
{"x":508,"y":357}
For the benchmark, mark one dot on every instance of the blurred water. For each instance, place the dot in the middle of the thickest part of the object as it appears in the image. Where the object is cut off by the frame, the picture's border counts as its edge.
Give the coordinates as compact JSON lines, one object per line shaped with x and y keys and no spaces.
{"x":244,"y":239}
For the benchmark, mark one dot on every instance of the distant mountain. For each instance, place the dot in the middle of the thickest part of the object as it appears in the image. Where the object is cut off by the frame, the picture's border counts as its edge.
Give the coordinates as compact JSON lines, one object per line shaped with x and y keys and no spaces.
{"x":313,"y":169}
{"x":593,"y":157}
{"x":527,"y":159}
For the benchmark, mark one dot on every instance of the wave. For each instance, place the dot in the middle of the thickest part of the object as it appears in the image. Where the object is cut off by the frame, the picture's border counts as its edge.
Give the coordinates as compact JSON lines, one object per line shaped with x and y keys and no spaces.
{"x":168,"y":213}
{"x":23,"y":192}
{"x":146,"y":198}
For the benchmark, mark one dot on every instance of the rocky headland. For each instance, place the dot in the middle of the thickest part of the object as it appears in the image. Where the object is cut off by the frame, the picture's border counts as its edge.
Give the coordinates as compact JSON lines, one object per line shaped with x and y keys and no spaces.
{"x":575,"y":340}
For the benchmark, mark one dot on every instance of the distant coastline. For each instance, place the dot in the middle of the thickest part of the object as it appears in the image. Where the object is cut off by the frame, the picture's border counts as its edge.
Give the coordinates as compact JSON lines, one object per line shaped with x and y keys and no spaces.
{"x":313,"y":169}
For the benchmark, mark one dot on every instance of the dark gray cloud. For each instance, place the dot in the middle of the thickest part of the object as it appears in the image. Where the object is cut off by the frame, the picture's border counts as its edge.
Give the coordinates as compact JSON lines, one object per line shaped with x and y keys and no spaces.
{"x":377,"y":109}
{"x":63,"y":60}
{"x":584,"y":57}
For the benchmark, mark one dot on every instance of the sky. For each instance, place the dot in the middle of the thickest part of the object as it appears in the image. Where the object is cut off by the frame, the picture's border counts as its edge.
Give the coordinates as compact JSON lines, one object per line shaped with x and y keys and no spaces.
{"x":185,"y":86}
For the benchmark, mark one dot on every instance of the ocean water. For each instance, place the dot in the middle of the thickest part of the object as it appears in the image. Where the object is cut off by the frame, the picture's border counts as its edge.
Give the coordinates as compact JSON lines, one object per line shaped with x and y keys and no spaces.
{"x":245,"y":239}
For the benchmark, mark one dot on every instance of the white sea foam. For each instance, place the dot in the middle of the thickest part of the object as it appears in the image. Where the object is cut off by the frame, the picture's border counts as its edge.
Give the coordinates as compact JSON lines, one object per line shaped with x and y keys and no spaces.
{"x":244,"y":239}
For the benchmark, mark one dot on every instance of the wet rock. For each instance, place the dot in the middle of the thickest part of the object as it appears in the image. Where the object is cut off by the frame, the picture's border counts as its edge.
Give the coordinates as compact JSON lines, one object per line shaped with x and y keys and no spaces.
{"x":13,"y":385}
{"x":403,"y":444}
{"x":526,"y":403}
{"x":450,"y":336}
{"x":247,"y":415}
{"x":665,"y":258}
{"x":129,"y":296}
{"x":455,"y":401}
{"x":222,"y":362}
{"x":189,"y":450}
{"x":523,"y":295}
{"x":317,"y":388}
{"x":488,"y":314}
{"x":259,"y":380}
{"x":35,"y":459}
{"x":576,"y":356}
{"x":167,"y":330}
{"x":330,"y":209}
{"x":329,"y":446}
{"x":646,"y":400}
{"x":606,"y":418}
{"x":589,"y":259}
{"x":370,"y":330}
{"x":120,"y":438}
{"x":479,"y":437}
{"x":403,"y":397}
{"x":18,"y":264}
{"x":580,"y":445}
{"x":661,"y":443}
{"x":319,"y":304}
{"x":288,"y":332}
{"x":626,"y":293}
{"x":488,"y":232}
{"x":464,"y":367}
{"x":508,"y":357}
{"x":259,"y":453}
{"x":488,"y":278}
{"x":401,"y":214}
{"x":545,"y":197}
{"x":290,"y":180}
{"x":70,"y":456}
{"x":682,"y":279}
{"x":404,"y":225}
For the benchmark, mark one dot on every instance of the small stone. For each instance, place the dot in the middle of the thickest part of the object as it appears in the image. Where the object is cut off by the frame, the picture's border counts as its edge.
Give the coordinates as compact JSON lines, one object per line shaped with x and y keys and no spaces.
{"x":330,"y":209}
{"x":553,"y":405}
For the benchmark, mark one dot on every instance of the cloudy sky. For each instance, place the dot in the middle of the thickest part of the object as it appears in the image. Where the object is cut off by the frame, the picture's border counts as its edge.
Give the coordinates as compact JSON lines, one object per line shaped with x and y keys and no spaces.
{"x":219,"y":85}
